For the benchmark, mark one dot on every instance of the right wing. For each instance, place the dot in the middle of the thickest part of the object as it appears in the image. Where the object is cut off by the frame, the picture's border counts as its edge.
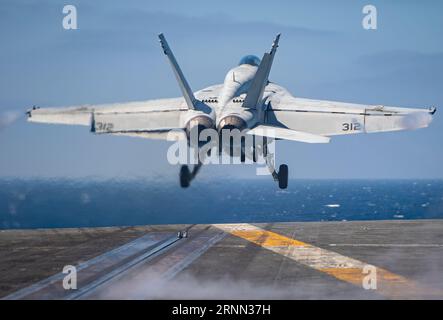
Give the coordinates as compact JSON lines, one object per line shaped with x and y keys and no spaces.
{"x":147,"y":119}
{"x":329,"y":118}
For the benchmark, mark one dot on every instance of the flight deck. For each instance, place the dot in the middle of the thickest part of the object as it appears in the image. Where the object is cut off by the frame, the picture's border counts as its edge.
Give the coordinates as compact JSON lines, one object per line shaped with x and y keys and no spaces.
{"x":296,"y":260}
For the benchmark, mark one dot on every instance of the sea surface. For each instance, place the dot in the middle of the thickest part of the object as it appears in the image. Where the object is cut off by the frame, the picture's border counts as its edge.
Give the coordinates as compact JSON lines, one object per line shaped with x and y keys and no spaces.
{"x":55,"y":203}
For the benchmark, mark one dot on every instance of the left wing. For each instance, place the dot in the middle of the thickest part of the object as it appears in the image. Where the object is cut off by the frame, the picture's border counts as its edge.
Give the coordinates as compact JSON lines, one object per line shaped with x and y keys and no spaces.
{"x":155,"y":119}
{"x":329,"y":118}
{"x":147,"y":119}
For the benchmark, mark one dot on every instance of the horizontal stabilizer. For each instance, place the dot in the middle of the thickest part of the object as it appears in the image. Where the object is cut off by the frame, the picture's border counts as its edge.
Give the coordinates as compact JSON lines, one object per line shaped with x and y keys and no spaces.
{"x":287,"y":134}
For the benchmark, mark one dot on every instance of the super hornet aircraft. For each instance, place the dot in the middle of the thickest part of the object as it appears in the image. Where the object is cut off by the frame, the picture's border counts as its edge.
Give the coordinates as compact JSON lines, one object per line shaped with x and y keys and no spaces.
{"x":246,"y":101}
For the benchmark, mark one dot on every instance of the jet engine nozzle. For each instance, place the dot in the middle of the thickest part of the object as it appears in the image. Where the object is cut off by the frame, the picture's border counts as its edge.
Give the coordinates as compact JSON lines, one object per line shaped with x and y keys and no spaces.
{"x":232,"y":122}
{"x":232,"y":130}
{"x":199,"y":123}
{"x":195,"y":126}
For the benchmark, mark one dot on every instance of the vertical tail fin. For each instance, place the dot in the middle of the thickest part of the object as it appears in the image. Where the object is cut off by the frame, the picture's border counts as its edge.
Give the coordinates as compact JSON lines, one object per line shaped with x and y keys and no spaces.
{"x":255,"y":92}
{"x":184,"y":86}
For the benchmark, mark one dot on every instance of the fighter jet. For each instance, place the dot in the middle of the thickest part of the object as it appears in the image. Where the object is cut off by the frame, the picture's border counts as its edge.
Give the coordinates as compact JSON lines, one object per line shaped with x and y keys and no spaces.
{"x":246,"y":101}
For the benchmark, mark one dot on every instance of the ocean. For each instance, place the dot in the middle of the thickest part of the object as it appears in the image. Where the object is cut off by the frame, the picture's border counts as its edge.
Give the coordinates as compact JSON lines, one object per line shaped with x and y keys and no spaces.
{"x":54,"y":203}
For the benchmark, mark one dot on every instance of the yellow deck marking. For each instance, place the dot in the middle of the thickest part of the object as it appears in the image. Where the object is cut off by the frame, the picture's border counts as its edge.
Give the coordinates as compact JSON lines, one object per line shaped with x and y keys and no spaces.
{"x":267,"y":239}
{"x":332,"y":263}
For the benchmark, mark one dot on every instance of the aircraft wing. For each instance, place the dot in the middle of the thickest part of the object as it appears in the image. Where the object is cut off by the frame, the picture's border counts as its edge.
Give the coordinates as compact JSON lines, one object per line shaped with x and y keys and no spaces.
{"x":146,"y":119}
{"x":329,"y":118}
{"x":154,"y":119}
{"x":287,"y":134}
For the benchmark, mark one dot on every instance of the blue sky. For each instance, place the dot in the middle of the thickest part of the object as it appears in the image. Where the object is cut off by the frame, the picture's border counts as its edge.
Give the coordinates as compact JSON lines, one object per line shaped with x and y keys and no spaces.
{"x":114,"y":56}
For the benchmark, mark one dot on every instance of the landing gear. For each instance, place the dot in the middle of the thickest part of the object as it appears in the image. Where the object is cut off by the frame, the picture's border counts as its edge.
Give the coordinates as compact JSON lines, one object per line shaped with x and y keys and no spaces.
{"x":186,"y":176}
{"x":282,"y":175}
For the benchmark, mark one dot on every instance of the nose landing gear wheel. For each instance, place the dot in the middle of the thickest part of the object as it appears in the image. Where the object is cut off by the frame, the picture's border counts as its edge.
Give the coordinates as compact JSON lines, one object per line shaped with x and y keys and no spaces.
{"x":283,"y":176}
{"x":185,"y":176}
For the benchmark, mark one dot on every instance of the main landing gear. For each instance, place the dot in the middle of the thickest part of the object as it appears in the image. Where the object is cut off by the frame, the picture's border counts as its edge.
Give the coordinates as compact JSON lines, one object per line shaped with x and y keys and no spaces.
{"x":186,"y":175}
{"x":282,"y":175}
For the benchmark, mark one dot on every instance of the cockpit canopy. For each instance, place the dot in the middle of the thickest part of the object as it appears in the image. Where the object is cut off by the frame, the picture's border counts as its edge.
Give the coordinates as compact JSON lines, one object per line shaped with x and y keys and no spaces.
{"x":251,"y":60}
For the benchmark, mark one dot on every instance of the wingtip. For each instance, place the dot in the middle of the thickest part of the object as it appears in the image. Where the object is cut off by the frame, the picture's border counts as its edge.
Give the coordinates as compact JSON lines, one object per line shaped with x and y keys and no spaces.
{"x":28,"y":112}
{"x":432,"y":110}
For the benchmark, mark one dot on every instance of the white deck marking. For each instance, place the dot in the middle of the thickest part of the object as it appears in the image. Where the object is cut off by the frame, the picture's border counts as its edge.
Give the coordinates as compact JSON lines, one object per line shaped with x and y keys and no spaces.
{"x":400,"y":245}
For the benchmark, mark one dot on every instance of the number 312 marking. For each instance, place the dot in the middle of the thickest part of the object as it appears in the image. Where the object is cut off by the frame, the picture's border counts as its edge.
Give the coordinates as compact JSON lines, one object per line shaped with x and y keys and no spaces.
{"x":103,"y":126}
{"x":351,"y":126}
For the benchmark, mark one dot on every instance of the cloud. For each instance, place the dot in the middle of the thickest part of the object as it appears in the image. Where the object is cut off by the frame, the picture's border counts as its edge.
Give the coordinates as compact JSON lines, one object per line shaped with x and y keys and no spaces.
{"x":8,"y":118}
